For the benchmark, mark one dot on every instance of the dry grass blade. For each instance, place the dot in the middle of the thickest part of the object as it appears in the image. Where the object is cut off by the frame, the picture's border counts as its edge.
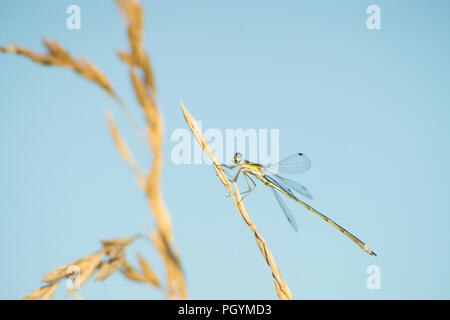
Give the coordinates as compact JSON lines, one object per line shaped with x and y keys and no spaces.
{"x":144,"y":87}
{"x":133,"y":14}
{"x":84,"y":268}
{"x":148,"y":272}
{"x":131,"y":273}
{"x":57,"y":274}
{"x":146,"y":102}
{"x":44,"y":59}
{"x":119,"y":242}
{"x":87,"y":267}
{"x":108,"y":268}
{"x":124,"y":151}
{"x":115,"y":250}
{"x":64,"y":271}
{"x":172,"y":262}
{"x":145,"y":92}
{"x":45,"y":292}
{"x":280,"y":286}
{"x":51,"y":290}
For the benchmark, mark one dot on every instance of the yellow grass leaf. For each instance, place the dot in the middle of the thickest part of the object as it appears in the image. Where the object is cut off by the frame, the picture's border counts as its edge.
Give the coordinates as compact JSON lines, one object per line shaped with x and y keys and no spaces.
{"x":131,"y":273}
{"x":148,"y":272}
{"x":119,"y":241}
{"x":87,"y":267}
{"x":107,"y":268}
{"x":45,"y":292}
{"x":124,"y":151}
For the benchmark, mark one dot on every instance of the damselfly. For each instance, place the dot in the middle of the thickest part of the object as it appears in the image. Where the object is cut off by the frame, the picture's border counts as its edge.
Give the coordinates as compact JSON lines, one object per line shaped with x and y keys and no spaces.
{"x":296,"y":163}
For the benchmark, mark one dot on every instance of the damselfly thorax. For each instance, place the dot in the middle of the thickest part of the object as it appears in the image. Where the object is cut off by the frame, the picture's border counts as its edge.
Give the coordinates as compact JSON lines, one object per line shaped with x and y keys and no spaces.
{"x":253,"y":168}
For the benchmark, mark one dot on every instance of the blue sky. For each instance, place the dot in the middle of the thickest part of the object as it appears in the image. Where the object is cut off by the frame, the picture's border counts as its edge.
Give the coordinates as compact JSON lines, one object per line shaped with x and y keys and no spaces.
{"x":371,"y":109}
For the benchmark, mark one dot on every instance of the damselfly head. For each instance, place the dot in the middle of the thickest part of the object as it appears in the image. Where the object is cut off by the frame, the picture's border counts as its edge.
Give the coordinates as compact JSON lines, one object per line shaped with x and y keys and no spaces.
{"x":237,"y":159}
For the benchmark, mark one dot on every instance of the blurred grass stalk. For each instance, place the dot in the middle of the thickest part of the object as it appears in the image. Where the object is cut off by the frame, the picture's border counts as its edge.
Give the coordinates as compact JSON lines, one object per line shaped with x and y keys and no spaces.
{"x":138,"y":61}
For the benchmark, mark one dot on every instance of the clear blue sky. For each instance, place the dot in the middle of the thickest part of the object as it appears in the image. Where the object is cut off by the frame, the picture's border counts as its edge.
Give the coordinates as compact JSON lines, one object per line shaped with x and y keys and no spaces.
{"x":370,"y":108}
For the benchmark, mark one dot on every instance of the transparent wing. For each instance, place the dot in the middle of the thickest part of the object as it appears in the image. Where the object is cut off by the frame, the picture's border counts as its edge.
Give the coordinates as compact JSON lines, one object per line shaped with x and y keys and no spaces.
{"x":294,"y":164}
{"x":286,"y":210}
{"x":297,"y":187}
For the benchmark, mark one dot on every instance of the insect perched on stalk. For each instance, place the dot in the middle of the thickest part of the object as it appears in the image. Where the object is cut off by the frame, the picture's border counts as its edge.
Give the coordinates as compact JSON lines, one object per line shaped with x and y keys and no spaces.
{"x":296,"y":163}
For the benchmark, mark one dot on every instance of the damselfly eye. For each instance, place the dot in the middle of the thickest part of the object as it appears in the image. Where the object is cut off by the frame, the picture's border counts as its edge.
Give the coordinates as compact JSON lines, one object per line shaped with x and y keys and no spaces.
{"x":237,"y":157}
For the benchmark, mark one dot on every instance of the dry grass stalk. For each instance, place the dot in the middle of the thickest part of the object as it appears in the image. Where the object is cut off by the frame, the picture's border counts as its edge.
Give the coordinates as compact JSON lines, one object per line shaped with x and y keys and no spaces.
{"x":138,"y":59}
{"x":172,"y":262}
{"x":145,"y":91}
{"x":124,"y":151}
{"x":134,"y":16}
{"x":280,"y":286}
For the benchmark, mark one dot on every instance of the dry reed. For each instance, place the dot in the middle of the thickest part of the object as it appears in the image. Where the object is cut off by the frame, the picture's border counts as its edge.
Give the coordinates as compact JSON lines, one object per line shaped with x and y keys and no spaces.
{"x":280,"y":285}
{"x":137,"y":60}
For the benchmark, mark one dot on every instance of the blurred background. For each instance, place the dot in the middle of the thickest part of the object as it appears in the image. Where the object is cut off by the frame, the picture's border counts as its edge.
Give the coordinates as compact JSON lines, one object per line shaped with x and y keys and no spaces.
{"x":371,"y":109}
